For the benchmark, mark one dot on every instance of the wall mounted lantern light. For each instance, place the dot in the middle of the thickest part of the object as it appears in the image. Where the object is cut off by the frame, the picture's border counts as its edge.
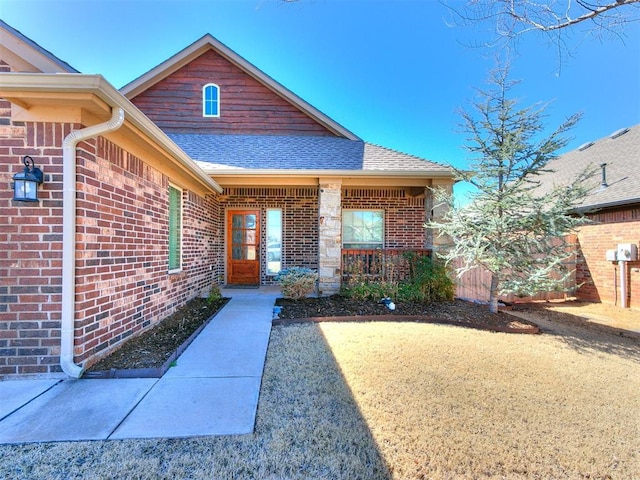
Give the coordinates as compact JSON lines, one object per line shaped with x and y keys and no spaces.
{"x":25,"y":187}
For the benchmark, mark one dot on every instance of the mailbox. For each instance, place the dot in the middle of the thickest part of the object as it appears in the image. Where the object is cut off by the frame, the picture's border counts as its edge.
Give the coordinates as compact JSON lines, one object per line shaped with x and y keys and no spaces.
{"x":612,"y":255}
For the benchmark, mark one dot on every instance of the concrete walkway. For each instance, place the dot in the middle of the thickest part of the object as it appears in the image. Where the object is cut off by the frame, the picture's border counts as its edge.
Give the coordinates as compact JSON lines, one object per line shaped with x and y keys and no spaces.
{"x":213,"y":390}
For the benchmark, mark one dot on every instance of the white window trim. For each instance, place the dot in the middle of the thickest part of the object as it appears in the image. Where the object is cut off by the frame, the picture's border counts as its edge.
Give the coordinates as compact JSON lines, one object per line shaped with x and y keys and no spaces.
{"x":269,"y":274}
{"x":204,"y":109}
{"x":384,"y":223}
{"x":181,"y":229}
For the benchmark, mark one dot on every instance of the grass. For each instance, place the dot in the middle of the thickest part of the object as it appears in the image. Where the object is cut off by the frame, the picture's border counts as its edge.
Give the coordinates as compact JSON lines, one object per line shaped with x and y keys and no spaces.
{"x":401,"y":401}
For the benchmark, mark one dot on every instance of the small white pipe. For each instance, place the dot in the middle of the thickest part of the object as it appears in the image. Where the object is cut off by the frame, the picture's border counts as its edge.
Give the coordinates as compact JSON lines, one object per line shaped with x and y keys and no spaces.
{"x":623,"y":283}
{"x":615,"y":286}
{"x":69,"y":145}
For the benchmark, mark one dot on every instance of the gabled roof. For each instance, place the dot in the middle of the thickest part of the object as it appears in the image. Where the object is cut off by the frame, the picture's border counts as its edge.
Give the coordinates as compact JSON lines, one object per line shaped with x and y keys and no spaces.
{"x":97,"y":97}
{"x":620,"y":151}
{"x":208,"y":42}
{"x":255,"y":153}
{"x":25,"y":55}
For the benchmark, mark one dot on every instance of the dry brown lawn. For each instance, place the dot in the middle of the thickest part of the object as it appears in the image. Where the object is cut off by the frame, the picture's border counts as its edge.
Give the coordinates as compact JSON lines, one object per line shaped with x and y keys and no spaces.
{"x":443,"y":402}
{"x":401,"y":401}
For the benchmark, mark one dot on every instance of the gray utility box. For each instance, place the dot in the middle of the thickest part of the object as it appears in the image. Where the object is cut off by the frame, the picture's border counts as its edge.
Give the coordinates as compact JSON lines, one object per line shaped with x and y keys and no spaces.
{"x":627,"y":252}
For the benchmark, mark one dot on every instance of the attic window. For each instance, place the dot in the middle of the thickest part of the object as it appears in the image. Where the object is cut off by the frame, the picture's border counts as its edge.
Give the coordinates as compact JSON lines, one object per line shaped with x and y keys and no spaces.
{"x":618,"y":133}
{"x":211,"y":100}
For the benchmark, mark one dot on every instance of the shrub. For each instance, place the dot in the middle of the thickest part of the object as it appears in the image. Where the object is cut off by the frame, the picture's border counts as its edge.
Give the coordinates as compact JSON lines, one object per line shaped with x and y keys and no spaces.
{"x":214,"y":294}
{"x":369,"y":290}
{"x":430,"y":281}
{"x":297,"y":282}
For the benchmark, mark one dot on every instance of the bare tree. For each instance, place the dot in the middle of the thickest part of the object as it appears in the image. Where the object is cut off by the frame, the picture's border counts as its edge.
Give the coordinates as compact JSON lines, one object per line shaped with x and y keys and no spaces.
{"x":514,"y":18}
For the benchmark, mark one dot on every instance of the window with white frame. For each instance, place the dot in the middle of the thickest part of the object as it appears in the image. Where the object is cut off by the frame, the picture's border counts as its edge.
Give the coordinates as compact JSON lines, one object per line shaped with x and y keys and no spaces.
{"x":363,"y":229}
{"x":274,"y":241}
{"x":175,"y":229}
{"x":211,"y":100}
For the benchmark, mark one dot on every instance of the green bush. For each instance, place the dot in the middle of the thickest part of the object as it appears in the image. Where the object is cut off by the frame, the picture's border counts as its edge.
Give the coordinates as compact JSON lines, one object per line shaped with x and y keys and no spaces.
{"x":369,"y":290}
{"x":297,"y":282}
{"x":428,"y":281}
{"x":214,"y":294}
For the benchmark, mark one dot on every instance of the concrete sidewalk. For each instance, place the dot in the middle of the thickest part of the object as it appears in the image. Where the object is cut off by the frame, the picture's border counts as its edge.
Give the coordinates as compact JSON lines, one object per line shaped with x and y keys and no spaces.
{"x":213,"y":389}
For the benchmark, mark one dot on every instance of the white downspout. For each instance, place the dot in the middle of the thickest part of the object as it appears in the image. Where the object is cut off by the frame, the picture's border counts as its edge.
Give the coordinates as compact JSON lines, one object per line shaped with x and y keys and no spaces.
{"x":67,"y":336}
{"x":623,"y":283}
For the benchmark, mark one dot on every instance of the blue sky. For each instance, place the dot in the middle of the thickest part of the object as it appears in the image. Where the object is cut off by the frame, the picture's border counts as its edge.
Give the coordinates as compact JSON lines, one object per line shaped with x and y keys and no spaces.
{"x":393,"y":72}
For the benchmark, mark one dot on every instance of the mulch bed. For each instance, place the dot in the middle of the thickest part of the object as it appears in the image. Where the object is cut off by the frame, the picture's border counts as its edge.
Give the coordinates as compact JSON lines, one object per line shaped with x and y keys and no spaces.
{"x":151,"y":353}
{"x":458,"y":312}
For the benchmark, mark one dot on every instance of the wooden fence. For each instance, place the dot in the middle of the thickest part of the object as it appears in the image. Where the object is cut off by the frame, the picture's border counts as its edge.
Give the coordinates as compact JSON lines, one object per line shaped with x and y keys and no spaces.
{"x":475,"y":283}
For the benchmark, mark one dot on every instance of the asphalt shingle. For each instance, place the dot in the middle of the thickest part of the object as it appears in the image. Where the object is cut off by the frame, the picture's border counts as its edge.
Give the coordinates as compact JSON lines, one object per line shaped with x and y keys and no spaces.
{"x":620,"y":151}
{"x":272,"y":152}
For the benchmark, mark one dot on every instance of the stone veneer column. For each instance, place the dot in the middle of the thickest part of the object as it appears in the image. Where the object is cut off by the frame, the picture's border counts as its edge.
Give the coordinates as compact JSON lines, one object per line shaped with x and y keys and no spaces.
{"x":439,"y":243}
{"x":329,"y":235}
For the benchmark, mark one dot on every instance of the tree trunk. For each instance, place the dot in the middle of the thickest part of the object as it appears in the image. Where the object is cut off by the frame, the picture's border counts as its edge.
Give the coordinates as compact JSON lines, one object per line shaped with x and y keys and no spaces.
{"x":493,"y":294}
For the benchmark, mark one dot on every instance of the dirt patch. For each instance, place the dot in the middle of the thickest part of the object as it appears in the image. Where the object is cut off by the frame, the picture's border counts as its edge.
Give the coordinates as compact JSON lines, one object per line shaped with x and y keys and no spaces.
{"x":154,"y":347}
{"x":458,"y":312}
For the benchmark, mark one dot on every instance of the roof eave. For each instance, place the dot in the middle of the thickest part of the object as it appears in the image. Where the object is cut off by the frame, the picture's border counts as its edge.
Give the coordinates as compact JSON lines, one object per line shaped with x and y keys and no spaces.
{"x":98,"y":86}
{"x":602,"y":206}
{"x":331,"y":173}
{"x":36,"y":48}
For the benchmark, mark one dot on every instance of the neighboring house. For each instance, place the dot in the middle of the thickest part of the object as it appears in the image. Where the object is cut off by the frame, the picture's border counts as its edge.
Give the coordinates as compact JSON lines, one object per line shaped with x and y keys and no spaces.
{"x":613,"y":208}
{"x":204,"y":171}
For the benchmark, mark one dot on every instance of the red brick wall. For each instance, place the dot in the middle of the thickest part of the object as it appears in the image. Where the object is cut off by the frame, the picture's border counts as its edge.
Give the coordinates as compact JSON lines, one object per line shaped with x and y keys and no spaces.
{"x":299,"y":223}
{"x":600,"y":278}
{"x":246,"y":106}
{"x":122,"y":252}
{"x":404,"y":215}
{"x":30,"y":250}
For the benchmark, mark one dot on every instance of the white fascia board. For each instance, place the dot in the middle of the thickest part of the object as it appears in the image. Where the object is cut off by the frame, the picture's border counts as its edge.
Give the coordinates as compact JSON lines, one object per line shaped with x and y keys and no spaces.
{"x":330,"y":173}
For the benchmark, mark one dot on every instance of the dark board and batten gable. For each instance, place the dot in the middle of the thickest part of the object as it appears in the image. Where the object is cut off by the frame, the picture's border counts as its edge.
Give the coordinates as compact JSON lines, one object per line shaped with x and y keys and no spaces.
{"x":251,"y":102}
{"x":246,"y":105}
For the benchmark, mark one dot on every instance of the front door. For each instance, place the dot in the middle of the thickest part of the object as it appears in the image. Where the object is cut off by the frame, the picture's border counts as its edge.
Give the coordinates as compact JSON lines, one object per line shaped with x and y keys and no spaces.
{"x":243,"y":252}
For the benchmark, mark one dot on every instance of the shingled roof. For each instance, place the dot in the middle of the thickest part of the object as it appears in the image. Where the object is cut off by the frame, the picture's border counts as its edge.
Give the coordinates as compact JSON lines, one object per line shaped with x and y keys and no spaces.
{"x":271,"y":152}
{"x":25,"y":55}
{"x":621,"y":153}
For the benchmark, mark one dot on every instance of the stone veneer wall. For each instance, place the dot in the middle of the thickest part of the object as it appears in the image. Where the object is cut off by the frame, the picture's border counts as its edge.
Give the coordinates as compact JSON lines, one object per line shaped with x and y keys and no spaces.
{"x":330,"y":237}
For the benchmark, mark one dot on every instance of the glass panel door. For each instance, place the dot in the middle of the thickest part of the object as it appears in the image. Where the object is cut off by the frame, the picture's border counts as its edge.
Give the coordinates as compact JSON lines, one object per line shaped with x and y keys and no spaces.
{"x":244,"y":242}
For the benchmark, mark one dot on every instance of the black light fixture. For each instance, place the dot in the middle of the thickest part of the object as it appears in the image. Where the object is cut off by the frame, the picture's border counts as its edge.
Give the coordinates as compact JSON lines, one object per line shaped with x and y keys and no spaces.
{"x":25,"y":187}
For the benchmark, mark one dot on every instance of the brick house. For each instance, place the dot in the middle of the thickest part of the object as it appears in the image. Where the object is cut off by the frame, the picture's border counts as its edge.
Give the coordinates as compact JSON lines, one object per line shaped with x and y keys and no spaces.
{"x":613,"y":207}
{"x":204,"y":171}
